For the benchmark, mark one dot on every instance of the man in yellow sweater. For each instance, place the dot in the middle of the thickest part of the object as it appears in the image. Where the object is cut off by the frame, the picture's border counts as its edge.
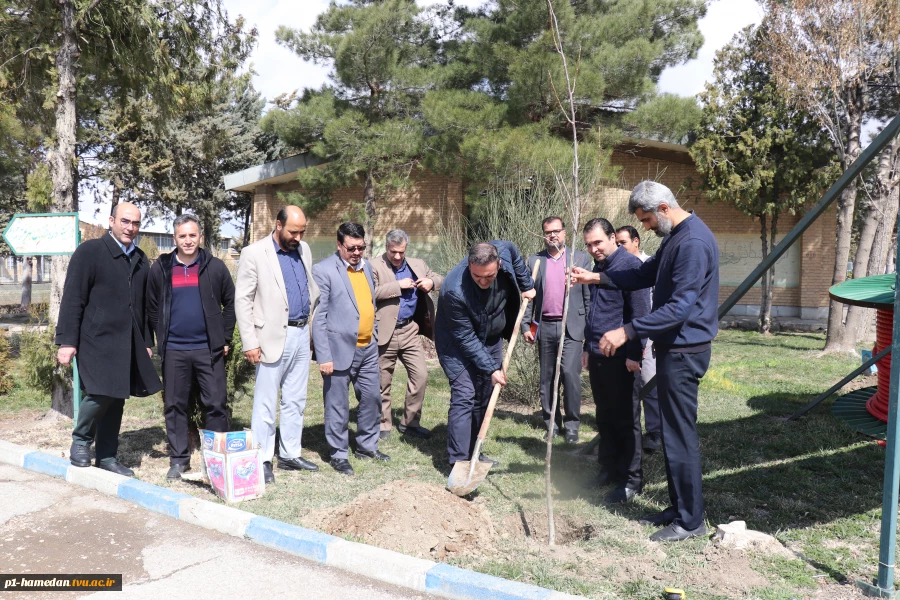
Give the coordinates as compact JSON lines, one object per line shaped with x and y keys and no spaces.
{"x":346,"y":348}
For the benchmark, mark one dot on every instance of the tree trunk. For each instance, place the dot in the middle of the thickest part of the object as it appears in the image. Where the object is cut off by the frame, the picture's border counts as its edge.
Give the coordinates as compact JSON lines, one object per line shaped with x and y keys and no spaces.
{"x":62,"y":171}
{"x":768,"y":280}
{"x":840,"y":338}
{"x":246,"y":240}
{"x":25,"y":303}
{"x":876,"y":233}
{"x":369,"y":198}
{"x":115,"y":198}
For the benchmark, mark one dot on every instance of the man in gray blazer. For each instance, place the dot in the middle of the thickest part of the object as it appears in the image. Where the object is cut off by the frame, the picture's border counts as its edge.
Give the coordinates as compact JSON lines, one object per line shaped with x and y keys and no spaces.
{"x":346,"y":343}
{"x":546,"y":316}
{"x":275,"y":296}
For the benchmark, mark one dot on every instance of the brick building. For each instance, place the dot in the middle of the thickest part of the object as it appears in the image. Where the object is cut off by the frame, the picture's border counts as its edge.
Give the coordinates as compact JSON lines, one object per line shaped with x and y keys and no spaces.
{"x":802,"y":275}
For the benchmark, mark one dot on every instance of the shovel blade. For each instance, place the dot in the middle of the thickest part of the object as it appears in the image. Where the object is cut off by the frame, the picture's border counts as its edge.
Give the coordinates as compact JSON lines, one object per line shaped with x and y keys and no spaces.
{"x":461,"y":483}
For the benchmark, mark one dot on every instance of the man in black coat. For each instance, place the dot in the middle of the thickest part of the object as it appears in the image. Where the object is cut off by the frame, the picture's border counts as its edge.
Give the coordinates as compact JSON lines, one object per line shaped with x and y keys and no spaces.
{"x":190,"y":307}
{"x":102,"y":320}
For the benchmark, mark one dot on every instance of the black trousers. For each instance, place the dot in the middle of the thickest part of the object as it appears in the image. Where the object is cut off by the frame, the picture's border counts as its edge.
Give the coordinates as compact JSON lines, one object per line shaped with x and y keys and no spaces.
{"x":569,"y":377}
{"x":679,"y":377}
{"x":470,"y":394}
{"x":618,"y":419}
{"x":99,"y":419}
{"x":179,"y":369}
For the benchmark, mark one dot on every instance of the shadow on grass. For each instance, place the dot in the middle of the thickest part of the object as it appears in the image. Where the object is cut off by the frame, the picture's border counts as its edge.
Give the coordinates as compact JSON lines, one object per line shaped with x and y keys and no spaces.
{"x":782,"y":475}
{"x":140,"y":442}
{"x":779,"y":340}
{"x":776,"y":475}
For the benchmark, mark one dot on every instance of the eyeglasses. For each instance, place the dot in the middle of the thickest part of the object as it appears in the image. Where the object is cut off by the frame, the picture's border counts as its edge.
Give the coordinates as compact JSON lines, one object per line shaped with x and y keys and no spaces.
{"x":553,"y":232}
{"x":352,"y":249}
{"x":128,"y":222}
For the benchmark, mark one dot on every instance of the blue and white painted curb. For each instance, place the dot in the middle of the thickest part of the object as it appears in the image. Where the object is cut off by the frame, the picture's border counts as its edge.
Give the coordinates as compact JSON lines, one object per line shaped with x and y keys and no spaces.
{"x":390,"y":567}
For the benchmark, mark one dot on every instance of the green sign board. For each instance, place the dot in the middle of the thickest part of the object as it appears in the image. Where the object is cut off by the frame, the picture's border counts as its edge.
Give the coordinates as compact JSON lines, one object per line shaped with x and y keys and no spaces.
{"x":42,"y":234}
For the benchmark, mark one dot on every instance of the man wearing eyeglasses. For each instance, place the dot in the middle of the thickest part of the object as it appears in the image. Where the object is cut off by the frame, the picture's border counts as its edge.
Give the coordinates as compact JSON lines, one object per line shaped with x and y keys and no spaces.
{"x":275,"y":297}
{"x":346,"y":341}
{"x":102,"y":320}
{"x":543,"y":324}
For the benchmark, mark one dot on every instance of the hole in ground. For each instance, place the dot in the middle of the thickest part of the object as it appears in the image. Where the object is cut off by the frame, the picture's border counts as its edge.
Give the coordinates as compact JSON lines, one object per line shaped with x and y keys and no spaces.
{"x":534,"y":525}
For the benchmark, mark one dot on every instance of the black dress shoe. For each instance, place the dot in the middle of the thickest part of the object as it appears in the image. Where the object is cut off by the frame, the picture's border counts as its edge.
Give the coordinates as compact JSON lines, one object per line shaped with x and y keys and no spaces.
{"x":374,"y":454}
{"x":267,"y":472}
{"x":622,"y":494}
{"x":384,"y":434}
{"x":603,"y":478}
{"x":296,"y":464}
{"x":675,"y":533}
{"x":117,"y":468}
{"x":487,"y":459}
{"x":341,"y":465}
{"x":547,"y":434}
{"x":660,"y":519}
{"x":651,"y":443}
{"x":415,"y":431}
{"x":571,"y":437}
{"x":80,"y":455}
{"x":175,"y":472}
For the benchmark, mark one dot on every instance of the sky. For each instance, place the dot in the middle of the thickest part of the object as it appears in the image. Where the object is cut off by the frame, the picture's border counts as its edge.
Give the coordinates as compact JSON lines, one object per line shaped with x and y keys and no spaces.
{"x":278,"y":70}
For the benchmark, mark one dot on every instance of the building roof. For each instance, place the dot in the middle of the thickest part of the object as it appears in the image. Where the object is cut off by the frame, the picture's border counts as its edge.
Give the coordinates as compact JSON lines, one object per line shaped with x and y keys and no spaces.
{"x":285,"y":169}
{"x":270,"y":173}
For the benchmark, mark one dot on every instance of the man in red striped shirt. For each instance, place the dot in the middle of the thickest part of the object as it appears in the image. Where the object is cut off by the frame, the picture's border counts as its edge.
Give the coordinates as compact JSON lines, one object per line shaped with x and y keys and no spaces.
{"x":190,"y":306}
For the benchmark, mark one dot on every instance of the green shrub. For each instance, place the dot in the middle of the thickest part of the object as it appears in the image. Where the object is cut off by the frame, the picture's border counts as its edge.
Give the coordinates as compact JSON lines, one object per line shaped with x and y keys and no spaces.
{"x":38,"y":353}
{"x":6,"y":381}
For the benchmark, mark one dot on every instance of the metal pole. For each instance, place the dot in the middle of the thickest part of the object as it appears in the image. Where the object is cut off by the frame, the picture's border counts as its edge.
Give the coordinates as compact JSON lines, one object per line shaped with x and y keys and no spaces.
{"x":821,"y":397}
{"x":884,"y":587}
{"x":871,"y":151}
{"x":76,"y":379}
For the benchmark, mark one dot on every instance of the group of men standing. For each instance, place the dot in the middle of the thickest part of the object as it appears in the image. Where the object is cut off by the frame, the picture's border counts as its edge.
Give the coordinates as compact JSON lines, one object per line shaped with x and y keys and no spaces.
{"x":356,"y":318}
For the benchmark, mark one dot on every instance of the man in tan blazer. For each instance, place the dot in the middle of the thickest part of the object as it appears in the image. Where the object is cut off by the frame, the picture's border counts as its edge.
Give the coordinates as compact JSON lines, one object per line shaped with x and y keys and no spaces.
{"x":275,"y":298}
{"x":404,"y":310}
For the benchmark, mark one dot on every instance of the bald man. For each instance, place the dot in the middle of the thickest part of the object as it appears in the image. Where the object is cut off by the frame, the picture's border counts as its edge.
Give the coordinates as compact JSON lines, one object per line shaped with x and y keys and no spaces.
{"x":275,"y":297}
{"x":102,"y":319}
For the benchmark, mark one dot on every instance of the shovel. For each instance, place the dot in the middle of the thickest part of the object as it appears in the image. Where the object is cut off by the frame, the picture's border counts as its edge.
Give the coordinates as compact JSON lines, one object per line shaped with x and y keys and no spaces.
{"x":468,"y":474}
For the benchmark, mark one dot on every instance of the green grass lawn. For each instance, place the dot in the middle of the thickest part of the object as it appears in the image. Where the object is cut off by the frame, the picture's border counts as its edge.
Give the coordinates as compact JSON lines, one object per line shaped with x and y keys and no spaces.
{"x":814,"y":484}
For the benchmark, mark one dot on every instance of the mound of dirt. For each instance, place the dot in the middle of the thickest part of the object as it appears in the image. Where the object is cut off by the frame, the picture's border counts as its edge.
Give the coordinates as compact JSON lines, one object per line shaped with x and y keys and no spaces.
{"x":415,"y":518}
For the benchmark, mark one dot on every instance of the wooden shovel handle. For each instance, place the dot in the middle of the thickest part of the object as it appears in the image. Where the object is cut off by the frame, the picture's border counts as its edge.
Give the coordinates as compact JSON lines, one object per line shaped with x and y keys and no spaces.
{"x":495,"y":394}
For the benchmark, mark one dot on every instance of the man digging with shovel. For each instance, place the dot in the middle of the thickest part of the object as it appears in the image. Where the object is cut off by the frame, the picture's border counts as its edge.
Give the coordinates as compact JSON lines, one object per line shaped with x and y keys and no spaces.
{"x":477,"y":309}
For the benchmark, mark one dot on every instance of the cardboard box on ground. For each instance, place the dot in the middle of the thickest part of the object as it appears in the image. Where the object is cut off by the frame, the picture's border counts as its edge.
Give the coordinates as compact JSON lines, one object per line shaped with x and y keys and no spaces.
{"x":232,"y":465}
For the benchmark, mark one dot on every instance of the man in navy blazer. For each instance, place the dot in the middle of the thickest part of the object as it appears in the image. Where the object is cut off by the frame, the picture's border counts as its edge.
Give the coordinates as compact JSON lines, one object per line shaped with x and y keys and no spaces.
{"x":346,"y":346}
{"x":477,"y":310}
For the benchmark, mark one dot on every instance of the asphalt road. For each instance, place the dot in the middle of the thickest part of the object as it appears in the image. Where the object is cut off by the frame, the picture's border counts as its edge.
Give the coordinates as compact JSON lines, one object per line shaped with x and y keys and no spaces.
{"x":48,"y":526}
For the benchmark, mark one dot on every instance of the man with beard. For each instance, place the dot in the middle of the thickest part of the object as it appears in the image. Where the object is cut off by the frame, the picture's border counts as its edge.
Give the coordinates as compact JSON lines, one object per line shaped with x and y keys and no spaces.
{"x":274,"y":299}
{"x":547,"y":313}
{"x":684,"y":274}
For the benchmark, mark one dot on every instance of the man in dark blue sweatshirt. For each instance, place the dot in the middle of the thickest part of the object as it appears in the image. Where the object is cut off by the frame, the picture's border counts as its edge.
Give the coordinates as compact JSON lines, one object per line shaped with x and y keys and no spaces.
{"x":190,"y":307}
{"x":685,"y":276}
{"x":612,"y":376}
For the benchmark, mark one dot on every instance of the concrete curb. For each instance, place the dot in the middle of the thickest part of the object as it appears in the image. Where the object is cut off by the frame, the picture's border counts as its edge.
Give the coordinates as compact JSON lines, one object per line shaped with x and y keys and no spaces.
{"x":13,"y":454}
{"x":377,"y":563}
